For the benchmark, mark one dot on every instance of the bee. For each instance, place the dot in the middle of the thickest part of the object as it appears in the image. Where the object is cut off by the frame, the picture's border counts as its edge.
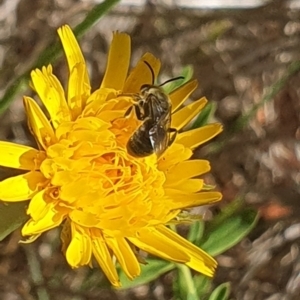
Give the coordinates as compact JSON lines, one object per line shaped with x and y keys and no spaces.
{"x":154,"y":108}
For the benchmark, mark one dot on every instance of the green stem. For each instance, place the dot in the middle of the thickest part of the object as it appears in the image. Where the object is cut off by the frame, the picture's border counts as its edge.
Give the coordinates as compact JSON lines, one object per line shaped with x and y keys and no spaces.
{"x":51,"y":53}
{"x":243,"y":121}
{"x":93,"y":16}
{"x":186,"y":274}
{"x":270,"y":94}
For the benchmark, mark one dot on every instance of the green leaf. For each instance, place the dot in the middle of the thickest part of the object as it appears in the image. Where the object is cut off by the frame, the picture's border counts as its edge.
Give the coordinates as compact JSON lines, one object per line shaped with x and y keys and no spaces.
{"x":149,"y":272}
{"x":230,"y":232}
{"x":233,"y":208}
{"x":221,"y":292}
{"x":205,"y":115}
{"x":202,"y":284}
{"x":187,"y":72}
{"x":184,"y":286}
{"x":12,"y":216}
{"x":190,"y":287}
{"x":196,"y":232}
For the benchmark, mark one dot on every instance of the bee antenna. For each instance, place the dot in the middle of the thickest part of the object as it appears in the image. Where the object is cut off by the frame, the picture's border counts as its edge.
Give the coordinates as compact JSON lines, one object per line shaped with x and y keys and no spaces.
{"x":152,"y":72}
{"x":172,"y":79}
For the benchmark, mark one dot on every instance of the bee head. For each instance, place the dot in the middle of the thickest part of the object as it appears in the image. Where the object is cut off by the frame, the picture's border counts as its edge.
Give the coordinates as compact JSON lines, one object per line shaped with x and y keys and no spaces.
{"x":151,"y":90}
{"x":145,"y":88}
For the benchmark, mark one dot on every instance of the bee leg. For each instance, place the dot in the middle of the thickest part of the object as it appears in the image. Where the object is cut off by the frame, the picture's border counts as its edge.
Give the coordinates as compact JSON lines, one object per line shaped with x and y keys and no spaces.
{"x":139,"y":111}
{"x":173,"y":137}
{"x":128,"y":111}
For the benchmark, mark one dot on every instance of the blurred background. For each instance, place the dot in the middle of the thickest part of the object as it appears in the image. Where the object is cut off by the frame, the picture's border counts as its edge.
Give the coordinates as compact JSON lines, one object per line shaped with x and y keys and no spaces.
{"x":240,"y":51}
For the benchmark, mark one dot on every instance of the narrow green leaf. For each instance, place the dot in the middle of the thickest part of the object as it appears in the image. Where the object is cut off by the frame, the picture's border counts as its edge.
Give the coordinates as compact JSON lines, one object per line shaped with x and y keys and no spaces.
{"x":233,"y":208}
{"x":18,"y":86}
{"x":185,"y":287}
{"x":149,"y":272}
{"x":196,"y":232}
{"x":221,"y":292}
{"x":245,"y":119}
{"x":202,"y":284}
{"x":230,"y":232}
{"x":12,"y":216}
{"x":187,"y":72}
{"x":270,"y":93}
{"x":205,"y":115}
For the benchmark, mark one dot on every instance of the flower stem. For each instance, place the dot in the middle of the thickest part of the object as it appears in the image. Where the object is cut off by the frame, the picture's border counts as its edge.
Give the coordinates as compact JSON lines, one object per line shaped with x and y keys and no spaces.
{"x":293,"y":68}
{"x":187,"y":279}
{"x":243,"y":120}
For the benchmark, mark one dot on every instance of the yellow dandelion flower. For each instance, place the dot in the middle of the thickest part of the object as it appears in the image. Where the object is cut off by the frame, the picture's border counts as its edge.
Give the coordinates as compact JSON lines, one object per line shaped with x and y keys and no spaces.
{"x":81,"y":176}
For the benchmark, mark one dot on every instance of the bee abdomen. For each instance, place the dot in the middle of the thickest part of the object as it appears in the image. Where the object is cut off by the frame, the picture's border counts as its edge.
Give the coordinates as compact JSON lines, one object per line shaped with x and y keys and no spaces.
{"x":139,"y":144}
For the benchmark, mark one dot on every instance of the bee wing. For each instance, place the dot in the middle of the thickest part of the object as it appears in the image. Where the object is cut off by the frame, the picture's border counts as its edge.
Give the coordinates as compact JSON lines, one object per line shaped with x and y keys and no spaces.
{"x":159,"y":137}
{"x":154,"y":107}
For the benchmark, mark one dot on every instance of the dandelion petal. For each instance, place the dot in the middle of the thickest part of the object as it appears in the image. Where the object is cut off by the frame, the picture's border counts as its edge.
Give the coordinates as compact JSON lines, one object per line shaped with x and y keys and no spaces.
{"x":180,"y":200}
{"x":183,"y":116}
{"x":150,"y":240}
{"x":196,"y":137}
{"x":21,"y":187}
{"x":141,"y":74}
{"x":181,"y":94}
{"x":104,"y":259}
{"x":125,"y":256}
{"x":199,"y":260}
{"x":50,"y":220}
{"x":118,"y":62}
{"x":79,"y":251}
{"x":19,"y":156}
{"x":51,"y":94}
{"x":188,"y":169}
{"x":39,"y":124}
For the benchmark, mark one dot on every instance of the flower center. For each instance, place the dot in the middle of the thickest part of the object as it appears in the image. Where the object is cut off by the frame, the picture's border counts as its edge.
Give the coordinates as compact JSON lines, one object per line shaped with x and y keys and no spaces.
{"x":102,"y":185}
